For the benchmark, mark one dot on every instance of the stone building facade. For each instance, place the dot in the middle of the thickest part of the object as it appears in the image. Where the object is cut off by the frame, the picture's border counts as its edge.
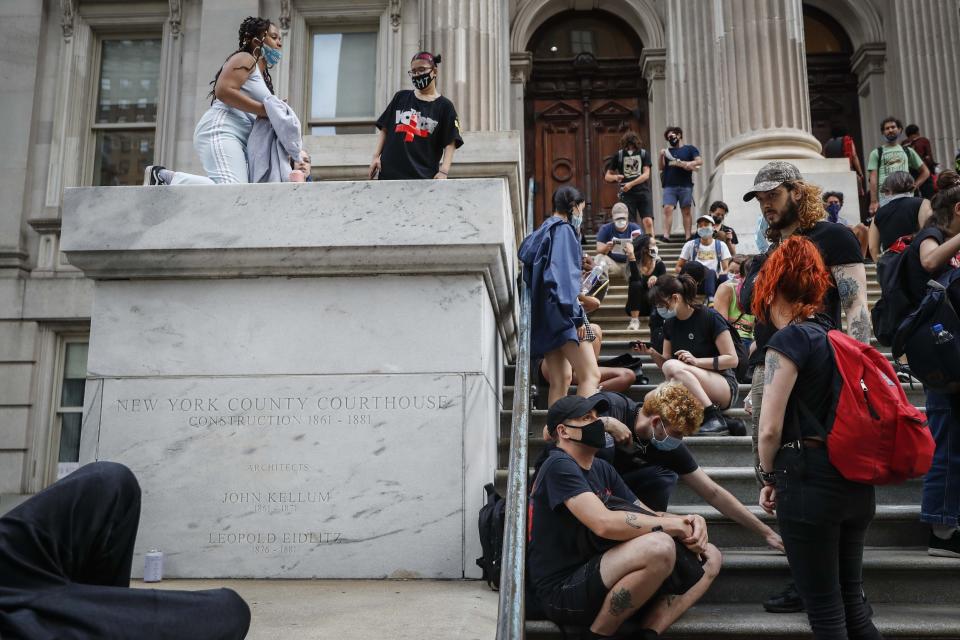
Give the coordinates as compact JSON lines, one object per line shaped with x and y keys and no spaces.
{"x":94,"y":90}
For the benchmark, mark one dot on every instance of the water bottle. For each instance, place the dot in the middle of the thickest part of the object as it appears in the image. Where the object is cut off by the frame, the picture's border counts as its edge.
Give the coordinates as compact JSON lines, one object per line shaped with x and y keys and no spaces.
{"x":941,"y":335}
{"x":592,"y":279}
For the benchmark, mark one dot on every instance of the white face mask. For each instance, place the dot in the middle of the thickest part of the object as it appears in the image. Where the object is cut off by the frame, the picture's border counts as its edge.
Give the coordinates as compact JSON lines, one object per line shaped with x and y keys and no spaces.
{"x":654,"y":252}
{"x":620,"y":224}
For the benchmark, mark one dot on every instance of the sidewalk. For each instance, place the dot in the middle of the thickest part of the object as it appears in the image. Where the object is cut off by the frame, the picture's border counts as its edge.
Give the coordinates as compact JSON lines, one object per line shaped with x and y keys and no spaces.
{"x":360,"y":609}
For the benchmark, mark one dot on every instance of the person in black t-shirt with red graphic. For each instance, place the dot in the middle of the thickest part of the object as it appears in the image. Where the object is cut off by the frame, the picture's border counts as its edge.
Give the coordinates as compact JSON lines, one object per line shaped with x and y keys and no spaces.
{"x":578,"y":586}
{"x":823,"y":517}
{"x":419,"y":130}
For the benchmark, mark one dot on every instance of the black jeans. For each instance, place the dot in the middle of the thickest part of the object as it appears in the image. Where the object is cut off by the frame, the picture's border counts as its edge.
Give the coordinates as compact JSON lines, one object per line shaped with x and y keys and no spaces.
{"x":65,"y":558}
{"x":823,"y":519}
{"x":651,"y":483}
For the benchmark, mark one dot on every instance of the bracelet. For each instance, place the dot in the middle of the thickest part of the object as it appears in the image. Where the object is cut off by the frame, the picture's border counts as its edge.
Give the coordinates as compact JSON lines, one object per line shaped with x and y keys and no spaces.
{"x":766,"y":477}
{"x":443,"y":172}
{"x":716,"y":363}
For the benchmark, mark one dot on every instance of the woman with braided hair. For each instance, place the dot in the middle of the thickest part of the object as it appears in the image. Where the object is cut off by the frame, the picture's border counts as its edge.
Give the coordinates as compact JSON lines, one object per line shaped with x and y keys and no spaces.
{"x":239,"y":89}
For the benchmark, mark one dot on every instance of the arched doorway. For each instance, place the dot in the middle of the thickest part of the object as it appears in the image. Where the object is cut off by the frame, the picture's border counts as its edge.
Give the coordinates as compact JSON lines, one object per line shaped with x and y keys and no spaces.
{"x":834,"y":102}
{"x":585,"y":90}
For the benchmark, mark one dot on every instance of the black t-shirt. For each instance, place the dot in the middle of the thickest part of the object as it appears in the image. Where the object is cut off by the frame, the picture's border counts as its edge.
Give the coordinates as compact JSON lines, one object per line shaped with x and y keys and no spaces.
{"x":697,"y":334}
{"x":897,"y":218}
{"x":416,"y":133}
{"x":837,"y":246}
{"x":636,"y":275}
{"x":630,"y":165}
{"x":916,"y":276}
{"x":553,"y":530}
{"x":807,"y":346}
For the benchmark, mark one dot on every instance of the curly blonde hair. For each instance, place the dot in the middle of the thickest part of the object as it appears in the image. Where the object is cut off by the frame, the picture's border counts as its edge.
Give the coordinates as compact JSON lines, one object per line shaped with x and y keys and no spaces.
{"x":676,"y":406}
{"x":810,"y":209}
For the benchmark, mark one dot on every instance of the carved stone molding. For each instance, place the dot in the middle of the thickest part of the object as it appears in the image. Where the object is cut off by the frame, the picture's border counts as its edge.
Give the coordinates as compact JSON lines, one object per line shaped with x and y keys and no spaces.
{"x":395,"y":16}
{"x":68,"y":11}
{"x":176,"y":17}
{"x":520,"y":66}
{"x":868,"y":60}
{"x":284,"y":15}
{"x":653,"y":64}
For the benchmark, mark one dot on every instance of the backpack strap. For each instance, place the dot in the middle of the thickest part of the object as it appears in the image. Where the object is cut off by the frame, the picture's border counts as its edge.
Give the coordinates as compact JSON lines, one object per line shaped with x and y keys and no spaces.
{"x":879,"y":161}
{"x":716,"y":247}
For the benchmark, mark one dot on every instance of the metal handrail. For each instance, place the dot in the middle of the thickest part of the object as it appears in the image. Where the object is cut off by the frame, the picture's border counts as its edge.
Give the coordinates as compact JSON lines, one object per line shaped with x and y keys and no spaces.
{"x":511,"y":611}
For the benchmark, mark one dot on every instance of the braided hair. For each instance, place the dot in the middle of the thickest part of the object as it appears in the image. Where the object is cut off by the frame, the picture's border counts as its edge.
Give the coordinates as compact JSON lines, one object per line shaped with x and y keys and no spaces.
{"x":250,"y":28}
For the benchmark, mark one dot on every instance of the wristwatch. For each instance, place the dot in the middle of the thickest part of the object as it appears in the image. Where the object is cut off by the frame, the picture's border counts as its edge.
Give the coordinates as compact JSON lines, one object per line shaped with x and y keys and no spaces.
{"x":766,"y":477}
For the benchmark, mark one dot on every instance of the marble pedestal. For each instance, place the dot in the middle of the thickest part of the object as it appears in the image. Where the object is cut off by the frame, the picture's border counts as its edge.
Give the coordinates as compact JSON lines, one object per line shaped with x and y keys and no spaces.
{"x":304,"y":378}
{"x":733,"y":178}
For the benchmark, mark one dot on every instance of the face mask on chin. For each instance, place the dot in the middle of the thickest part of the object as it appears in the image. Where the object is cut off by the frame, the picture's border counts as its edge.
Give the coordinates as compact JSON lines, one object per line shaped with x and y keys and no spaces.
{"x":892,"y":137}
{"x":666,"y":313}
{"x":668,"y":442}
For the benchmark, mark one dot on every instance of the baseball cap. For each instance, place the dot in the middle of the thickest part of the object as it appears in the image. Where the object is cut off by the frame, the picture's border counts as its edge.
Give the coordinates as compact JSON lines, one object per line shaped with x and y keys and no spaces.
{"x":620,"y":214}
{"x":573,"y":407}
{"x":772,"y":175}
{"x":707,"y":218}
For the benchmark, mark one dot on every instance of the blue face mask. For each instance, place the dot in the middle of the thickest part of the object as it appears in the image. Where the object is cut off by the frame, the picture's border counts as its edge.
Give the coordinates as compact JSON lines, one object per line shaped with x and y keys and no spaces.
{"x":666,"y":313}
{"x":271,"y":55}
{"x":761,"y":237}
{"x":833,"y":211}
{"x":668,"y":443}
{"x":705,"y":232}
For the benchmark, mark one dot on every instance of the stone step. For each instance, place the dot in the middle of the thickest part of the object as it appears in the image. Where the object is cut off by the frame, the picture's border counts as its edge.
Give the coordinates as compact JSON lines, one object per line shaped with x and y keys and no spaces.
{"x":904,"y":621}
{"x":741,"y":482}
{"x":637,"y":392}
{"x":893,"y":526}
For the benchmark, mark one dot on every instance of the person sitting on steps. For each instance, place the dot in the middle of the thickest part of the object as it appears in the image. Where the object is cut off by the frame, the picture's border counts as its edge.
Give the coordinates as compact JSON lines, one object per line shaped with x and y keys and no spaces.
{"x":698,"y":350}
{"x":568,"y":502}
{"x":643,"y":260}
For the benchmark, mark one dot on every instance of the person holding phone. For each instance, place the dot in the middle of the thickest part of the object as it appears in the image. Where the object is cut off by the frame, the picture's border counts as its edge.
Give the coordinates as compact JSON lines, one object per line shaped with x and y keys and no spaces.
{"x":643,"y":260}
{"x":698,"y":350}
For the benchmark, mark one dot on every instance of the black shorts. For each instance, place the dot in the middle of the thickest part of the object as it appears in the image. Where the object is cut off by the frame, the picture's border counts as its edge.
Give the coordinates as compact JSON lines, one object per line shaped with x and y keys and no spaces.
{"x":578,"y":598}
{"x":638,"y":203}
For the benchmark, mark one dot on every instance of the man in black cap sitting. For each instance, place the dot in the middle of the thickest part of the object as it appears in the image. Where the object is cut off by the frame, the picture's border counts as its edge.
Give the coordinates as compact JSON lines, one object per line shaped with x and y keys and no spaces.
{"x":568,"y":504}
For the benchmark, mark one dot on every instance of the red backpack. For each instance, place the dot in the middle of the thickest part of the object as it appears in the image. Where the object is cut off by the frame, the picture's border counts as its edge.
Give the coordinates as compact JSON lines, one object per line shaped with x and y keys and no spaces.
{"x":877,"y":436}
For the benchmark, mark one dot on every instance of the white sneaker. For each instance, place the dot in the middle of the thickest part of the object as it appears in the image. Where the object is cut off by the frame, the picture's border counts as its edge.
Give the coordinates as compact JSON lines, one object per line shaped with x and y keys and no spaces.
{"x":634,"y":324}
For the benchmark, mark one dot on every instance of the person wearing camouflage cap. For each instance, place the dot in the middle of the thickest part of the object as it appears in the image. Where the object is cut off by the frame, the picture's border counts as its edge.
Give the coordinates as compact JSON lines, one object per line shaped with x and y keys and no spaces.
{"x":792,"y":206}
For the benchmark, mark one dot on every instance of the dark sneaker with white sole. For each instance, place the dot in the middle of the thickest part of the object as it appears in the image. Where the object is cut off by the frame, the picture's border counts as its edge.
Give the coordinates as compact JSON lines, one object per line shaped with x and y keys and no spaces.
{"x":713,"y":423}
{"x":787,"y":601}
{"x":151,"y":175}
{"x":949,"y":548}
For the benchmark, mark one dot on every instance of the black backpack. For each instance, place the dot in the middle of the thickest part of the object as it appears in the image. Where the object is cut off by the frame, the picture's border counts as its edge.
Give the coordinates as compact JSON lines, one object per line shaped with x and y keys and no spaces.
{"x":893,"y":305}
{"x":933,"y":354}
{"x":491,"y":523}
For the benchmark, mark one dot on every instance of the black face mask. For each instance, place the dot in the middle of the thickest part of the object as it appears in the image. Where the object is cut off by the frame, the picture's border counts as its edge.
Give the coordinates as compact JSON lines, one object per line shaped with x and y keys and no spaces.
{"x":422,"y":81}
{"x":593,"y":434}
{"x":673,"y":140}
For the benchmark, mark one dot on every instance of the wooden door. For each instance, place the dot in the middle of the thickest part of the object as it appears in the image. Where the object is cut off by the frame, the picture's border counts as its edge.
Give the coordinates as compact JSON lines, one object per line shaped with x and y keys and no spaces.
{"x":572,"y":141}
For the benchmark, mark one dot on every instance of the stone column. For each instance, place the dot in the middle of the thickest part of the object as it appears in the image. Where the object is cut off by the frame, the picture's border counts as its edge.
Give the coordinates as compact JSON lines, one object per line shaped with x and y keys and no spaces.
{"x":693,"y":100}
{"x":869,"y":65}
{"x":653,"y":67}
{"x":765,"y":107}
{"x":926,"y":40}
{"x":469,"y":35}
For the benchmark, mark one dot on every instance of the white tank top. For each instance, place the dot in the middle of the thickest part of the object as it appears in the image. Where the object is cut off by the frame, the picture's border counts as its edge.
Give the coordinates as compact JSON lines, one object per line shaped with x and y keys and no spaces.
{"x":255,"y":87}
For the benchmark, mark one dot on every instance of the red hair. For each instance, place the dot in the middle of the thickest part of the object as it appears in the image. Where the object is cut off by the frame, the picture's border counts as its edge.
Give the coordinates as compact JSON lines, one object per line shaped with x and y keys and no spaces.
{"x":796,"y":271}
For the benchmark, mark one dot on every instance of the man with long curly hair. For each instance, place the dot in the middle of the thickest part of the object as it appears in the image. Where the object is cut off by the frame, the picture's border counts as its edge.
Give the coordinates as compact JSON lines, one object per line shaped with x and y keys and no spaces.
{"x":791,"y":206}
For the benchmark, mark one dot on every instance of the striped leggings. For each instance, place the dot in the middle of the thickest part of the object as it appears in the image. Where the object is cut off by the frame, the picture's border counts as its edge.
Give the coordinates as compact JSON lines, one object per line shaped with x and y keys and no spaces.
{"x":221,"y":142}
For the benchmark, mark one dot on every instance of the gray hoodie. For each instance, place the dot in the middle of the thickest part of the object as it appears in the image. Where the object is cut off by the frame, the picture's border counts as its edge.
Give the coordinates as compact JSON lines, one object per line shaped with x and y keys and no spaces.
{"x":273,"y":142}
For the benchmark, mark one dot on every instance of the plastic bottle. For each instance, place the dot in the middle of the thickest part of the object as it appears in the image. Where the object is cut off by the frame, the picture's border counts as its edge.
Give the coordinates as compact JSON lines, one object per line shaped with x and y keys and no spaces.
{"x":591,"y":280}
{"x":941,"y":335}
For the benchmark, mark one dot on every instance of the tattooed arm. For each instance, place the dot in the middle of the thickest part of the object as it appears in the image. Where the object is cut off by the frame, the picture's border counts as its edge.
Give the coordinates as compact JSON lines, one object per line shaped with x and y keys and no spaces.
{"x":779,"y":376}
{"x":621,"y":525}
{"x":851,"y":282}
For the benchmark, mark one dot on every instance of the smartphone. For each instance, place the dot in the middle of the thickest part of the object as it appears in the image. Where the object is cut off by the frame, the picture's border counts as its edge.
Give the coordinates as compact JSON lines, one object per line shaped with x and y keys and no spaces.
{"x":639,"y":344}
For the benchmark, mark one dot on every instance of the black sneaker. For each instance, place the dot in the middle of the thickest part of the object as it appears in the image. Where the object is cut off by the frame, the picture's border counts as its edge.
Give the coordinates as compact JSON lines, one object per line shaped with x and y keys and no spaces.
{"x":949,"y":548}
{"x":713,"y":423}
{"x":787,"y":601}
{"x":736,"y":426}
{"x":151,"y":175}
{"x":665,"y":238}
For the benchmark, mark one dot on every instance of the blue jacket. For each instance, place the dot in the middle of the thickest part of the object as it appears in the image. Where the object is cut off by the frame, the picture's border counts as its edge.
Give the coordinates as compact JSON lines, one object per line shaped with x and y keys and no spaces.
{"x":551,"y":268}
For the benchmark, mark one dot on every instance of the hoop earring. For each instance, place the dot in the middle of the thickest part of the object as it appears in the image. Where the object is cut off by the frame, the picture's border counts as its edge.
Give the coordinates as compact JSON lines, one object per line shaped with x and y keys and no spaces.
{"x":256,"y":52}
